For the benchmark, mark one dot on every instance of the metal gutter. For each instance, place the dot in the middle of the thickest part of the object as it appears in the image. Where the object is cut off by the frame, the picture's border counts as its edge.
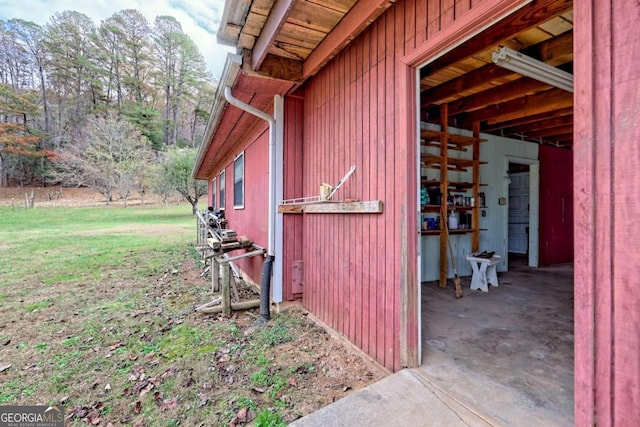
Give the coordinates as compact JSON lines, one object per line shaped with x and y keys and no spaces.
{"x":275,"y":190}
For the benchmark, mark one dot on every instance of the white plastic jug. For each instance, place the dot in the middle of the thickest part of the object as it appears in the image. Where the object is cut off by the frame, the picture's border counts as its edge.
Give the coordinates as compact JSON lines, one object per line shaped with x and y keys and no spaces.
{"x":453,"y":220}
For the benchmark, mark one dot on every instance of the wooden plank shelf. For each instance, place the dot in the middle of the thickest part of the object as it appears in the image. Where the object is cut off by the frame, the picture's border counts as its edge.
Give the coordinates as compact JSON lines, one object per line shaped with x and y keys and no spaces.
{"x":453,"y":163}
{"x":437,"y":208}
{"x":441,"y":143}
{"x":458,"y":141}
{"x":432,"y":183}
{"x":364,"y":207}
{"x":438,"y":232}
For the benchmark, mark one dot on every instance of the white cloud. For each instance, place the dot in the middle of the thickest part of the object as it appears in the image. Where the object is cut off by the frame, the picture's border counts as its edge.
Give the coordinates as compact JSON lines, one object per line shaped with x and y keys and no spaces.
{"x":199,"y":19}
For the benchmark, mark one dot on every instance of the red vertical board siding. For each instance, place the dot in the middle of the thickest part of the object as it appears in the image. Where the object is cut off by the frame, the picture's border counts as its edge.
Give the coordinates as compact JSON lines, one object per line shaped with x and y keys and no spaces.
{"x":421,"y":21}
{"x":433,"y":17}
{"x":462,"y":7}
{"x":447,"y":11}
{"x":556,"y":205}
{"x":352,"y":263}
{"x":292,"y":188}
{"x":584,"y":219}
{"x":607,"y":182}
{"x":626,"y":210}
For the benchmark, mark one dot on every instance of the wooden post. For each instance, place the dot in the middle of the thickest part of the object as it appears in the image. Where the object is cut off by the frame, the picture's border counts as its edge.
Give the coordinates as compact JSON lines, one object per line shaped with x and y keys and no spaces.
{"x":444,"y":190}
{"x":244,"y":305}
{"x":215,"y":275}
{"x":226,"y":287}
{"x":475,"y":218}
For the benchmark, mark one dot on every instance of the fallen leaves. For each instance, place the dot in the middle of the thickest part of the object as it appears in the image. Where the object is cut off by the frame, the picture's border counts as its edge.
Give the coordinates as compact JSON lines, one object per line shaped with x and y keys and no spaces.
{"x":188,"y":382}
{"x":116,"y":346}
{"x":88,"y":414}
{"x":169,"y":404}
{"x":5,"y":367}
{"x":244,"y":416}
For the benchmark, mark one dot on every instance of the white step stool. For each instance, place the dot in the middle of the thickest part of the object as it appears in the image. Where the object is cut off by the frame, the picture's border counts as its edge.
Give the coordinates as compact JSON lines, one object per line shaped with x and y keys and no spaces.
{"x":484,"y":272}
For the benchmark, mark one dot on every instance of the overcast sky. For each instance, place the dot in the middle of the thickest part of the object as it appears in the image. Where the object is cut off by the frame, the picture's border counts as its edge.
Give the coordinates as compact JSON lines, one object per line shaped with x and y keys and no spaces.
{"x":199,"y":18}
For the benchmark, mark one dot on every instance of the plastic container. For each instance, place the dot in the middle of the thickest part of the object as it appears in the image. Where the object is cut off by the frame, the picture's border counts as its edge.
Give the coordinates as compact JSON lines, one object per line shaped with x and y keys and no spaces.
{"x":454,"y":220}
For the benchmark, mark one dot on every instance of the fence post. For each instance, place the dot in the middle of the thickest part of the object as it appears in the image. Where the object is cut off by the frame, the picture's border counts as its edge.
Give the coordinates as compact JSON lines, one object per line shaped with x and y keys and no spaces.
{"x":226,"y":285}
{"x":215,"y":275}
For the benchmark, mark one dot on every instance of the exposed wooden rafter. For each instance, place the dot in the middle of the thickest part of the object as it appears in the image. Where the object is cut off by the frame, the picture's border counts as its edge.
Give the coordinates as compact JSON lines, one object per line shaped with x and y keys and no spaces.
{"x":541,"y":102}
{"x":549,"y":132}
{"x":539,"y":124}
{"x":512,"y":90}
{"x":534,"y":118}
{"x":275,"y":21}
{"x":527,"y":17}
{"x":274,"y":67}
{"x":555,"y":51}
{"x":501,"y":101}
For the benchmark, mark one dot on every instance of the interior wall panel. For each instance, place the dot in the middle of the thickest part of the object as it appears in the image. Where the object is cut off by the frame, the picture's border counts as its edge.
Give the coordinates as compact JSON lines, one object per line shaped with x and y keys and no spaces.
{"x":556,"y":205}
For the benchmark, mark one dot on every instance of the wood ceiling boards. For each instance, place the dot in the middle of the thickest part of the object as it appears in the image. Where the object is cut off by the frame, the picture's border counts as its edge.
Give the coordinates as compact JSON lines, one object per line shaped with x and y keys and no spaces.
{"x":503,"y":102}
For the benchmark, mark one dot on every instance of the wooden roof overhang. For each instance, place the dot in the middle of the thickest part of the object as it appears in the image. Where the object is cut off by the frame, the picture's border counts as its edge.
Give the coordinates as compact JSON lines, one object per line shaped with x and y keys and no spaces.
{"x":293,"y":39}
{"x":280,"y":44}
{"x":503,"y":102}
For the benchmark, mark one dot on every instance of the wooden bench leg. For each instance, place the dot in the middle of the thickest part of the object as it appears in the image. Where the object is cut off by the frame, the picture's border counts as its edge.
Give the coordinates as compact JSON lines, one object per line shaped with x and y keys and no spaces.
{"x":492,"y":276}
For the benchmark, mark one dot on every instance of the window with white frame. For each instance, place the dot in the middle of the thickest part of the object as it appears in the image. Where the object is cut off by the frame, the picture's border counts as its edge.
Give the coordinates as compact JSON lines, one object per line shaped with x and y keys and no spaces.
{"x":238,"y":181}
{"x":213,"y":193}
{"x":222,"y":185}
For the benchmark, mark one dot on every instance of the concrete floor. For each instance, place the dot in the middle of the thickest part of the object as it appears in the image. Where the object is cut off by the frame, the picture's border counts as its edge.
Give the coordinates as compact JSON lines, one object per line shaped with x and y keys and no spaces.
{"x":506,"y":354}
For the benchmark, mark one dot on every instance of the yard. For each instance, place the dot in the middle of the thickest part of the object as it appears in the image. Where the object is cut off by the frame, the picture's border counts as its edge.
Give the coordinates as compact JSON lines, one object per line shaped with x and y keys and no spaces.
{"x":97,"y":314}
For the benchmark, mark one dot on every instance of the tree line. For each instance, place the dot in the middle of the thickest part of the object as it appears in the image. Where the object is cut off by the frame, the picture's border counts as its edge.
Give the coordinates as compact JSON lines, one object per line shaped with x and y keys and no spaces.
{"x":76,"y":96}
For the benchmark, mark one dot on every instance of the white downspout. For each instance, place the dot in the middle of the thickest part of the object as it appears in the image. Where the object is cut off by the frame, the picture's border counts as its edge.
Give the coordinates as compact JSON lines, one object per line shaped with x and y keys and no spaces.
{"x":275,"y":143}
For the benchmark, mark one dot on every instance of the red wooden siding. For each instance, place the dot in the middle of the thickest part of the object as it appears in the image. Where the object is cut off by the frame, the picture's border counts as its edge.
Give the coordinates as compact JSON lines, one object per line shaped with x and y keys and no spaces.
{"x":292,"y":224}
{"x":251,"y":221}
{"x":354,"y":268}
{"x":556,"y":205}
{"x":607,"y":184}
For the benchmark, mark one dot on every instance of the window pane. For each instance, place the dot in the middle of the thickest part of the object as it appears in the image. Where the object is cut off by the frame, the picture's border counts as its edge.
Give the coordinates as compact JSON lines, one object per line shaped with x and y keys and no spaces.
{"x":222,"y":185}
{"x":213,"y":193}
{"x":238,"y":181}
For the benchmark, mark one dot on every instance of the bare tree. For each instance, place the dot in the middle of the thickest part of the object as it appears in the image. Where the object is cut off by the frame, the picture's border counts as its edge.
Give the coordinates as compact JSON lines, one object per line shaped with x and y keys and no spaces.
{"x":111,"y":156}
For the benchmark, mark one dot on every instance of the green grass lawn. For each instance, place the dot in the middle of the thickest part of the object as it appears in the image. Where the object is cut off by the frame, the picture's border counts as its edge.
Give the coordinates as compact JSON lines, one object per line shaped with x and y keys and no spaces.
{"x":97,"y":314}
{"x":77,"y":244}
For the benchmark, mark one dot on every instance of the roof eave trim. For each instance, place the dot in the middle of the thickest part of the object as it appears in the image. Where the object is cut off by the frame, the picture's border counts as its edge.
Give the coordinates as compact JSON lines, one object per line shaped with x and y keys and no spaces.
{"x":229,"y":76}
{"x":234,"y":17}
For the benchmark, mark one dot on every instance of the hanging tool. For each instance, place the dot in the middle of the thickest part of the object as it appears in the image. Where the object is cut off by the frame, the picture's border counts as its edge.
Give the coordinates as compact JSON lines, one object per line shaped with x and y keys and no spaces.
{"x":352,"y":169}
{"x":322,"y":198}
{"x":456,"y":278}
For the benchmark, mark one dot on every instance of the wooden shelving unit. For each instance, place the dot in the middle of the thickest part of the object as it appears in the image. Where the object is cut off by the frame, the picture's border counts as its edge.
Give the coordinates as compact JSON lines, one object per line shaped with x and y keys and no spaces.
{"x":442,"y":161}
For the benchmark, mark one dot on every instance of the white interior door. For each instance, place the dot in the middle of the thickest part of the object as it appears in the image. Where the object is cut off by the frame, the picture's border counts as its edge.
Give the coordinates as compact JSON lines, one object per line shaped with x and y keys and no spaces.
{"x":519,"y":212}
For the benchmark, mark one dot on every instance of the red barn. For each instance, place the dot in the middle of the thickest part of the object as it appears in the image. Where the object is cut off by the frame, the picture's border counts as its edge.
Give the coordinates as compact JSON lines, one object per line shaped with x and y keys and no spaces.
{"x":521,"y":116}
